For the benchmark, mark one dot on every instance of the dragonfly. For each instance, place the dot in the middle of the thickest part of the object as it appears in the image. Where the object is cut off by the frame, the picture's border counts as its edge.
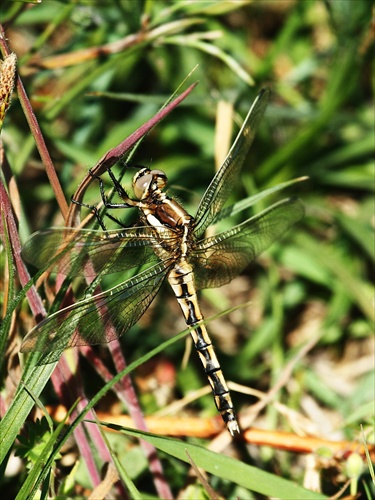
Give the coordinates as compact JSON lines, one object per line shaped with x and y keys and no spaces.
{"x":172,"y":245}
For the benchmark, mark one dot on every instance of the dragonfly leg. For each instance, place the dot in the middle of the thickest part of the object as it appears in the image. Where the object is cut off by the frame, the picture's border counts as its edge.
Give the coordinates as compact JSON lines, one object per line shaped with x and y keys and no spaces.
{"x":94,"y":210}
{"x":120,"y":190}
{"x":128,"y":203}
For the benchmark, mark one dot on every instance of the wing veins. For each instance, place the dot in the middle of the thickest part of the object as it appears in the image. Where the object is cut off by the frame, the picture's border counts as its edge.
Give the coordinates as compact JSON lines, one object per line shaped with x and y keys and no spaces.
{"x":218,"y":259}
{"x":100,"y":318}
{"x":222,"y":184}
{"x":109,"y":252}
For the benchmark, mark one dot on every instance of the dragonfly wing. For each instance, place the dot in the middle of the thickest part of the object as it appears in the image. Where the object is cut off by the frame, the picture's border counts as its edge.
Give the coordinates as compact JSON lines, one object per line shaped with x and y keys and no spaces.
{"x":98,"y":319}
{"x":222,"y":184}
{"x":107,"y":251}
{"x":217,"y":260}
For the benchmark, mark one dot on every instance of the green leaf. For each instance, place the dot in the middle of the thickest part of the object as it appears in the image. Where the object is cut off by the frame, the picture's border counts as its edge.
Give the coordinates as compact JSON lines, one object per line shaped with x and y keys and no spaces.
{"x":224,"y":467}
{"x":362,"y":233}
{"x":47,"y":454}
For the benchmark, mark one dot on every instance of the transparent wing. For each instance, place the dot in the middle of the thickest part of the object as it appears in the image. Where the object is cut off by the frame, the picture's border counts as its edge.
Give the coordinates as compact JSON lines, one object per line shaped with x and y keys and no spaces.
{"x":108,"y":251}
{"x":98,"y":319}
{"x":222,"y":184}
{"x":217,"y":260}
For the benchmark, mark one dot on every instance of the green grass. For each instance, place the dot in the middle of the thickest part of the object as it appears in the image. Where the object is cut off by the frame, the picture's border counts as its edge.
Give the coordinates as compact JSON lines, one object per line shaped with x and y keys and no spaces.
{"x":312,"y":284}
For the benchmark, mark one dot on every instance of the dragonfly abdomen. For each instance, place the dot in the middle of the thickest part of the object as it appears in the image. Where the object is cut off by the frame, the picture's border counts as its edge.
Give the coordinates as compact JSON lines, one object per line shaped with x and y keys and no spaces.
{"x":182,"y":282}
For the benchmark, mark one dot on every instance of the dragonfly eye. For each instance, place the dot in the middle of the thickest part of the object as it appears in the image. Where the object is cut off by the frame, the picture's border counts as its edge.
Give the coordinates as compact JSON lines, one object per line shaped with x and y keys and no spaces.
{"x":145,"y":181}
{"x":141,"y":184}
{"x":159,"y":178}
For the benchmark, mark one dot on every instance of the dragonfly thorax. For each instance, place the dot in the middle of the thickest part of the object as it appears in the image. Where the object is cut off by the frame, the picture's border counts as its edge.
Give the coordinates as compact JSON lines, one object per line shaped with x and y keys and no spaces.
{"x":146,"y":182}
{"x":158,"y":208}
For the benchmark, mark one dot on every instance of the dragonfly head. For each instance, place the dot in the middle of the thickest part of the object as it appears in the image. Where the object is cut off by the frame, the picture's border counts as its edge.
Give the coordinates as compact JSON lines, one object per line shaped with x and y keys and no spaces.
{"x":146,"y":182}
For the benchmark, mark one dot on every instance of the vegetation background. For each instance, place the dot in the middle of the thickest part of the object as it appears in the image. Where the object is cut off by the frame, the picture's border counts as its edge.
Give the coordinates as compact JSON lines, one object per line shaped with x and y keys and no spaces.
{"x":94,"y":72}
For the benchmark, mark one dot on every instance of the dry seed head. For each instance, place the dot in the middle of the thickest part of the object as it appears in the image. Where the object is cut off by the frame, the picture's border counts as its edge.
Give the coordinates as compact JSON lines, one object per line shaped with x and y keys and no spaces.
{"x":7,"y":79}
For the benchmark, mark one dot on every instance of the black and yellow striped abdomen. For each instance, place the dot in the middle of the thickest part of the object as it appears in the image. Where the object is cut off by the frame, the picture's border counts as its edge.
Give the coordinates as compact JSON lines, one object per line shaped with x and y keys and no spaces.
{"x":181,"y":280}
